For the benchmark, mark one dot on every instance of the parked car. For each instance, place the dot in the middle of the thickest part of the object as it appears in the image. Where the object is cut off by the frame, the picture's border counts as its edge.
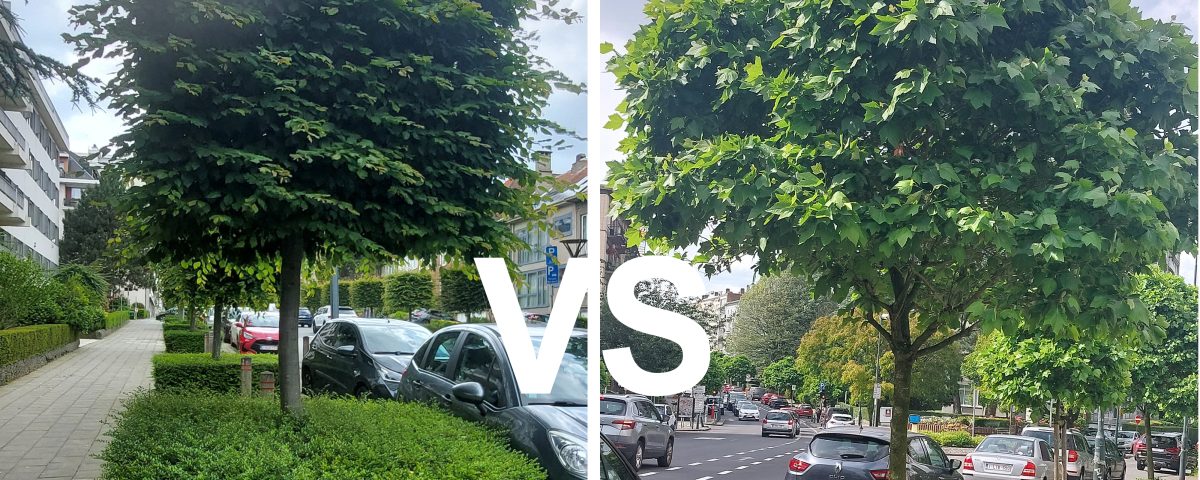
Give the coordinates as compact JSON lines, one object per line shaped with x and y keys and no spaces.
{"x":732,"y":399}
{"x":1112,"y":457}
{"x":862,"y":454}
{"x":779,"y":402}
{"x":780,"y":422}
{"x":364,"y":357}
{"x":1009,"y":457}
{"x":665,"y":411}
{"x":306,"y":317}
{"x":1167,"y":448}
{"x":1125,"y":438}
{"x":613,"y":465}
{"x":466,"y":370}
{"x":257,"y":333}
{"x":322,"y":316}
{"x":767,"y":397}
{"x":756,"y":393}
{"x":747,"y":410}
{"x":169,"y":311}
{"x":637,"y":429}
{"x":839,"y":420}
{"x":1079,"y":453}
{"x":424,"y":315}
{"x":805,"y":410}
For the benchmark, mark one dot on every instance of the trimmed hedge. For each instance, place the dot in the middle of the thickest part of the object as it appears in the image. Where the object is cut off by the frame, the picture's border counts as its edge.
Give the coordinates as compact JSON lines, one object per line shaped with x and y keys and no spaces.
{"x":114,"y":320}
{"x":406,"y":291}
{"x":198,"y":371}
{"x":178,"y":341}
{"x":19,"y":343}
{"x":955,"y":439}
{"x":368,"y":293}
{"x":435,"y":325}
{"x":337,"y":439}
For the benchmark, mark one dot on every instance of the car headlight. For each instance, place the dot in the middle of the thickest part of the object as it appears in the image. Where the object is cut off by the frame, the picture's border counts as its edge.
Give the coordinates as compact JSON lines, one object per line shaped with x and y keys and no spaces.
{"x":390,"y":375}
{"x":246,"y":335}
{"x":571,"y":451}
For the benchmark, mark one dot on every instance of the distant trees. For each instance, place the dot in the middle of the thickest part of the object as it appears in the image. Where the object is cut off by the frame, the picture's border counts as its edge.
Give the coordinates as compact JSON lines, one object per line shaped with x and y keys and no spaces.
{"x":652,"y":353}
{"x":772,"y":317}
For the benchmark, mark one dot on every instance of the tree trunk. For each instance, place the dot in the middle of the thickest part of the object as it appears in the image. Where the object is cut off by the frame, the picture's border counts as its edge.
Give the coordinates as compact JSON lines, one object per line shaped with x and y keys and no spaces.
{"x":191,"y":309}
{"x":217,"y":329}
{"x":901,"y":398}
{"x":1060,"y":443}
{"x":289,"y":328}
{"x":1149,"y":445}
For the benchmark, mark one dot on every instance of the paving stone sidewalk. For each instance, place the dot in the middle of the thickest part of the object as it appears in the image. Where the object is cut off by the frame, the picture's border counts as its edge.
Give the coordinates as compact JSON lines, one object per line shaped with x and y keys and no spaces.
{"x":52,"y":420}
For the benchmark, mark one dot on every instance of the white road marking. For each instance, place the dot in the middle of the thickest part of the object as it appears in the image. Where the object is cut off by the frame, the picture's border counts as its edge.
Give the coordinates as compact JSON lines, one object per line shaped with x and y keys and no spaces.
{"x":741,"y":453}
{"x":704,"y":478}
{"x":693,"y":464}
{"x":730,"y":455}
{"x":709,"y":438}
{"x":711,"y":460}
{"x":647,"y":474}
{"x":742,"y":467}
{"x":725,"y":472}
{"x":756,"y":463}
{"x":673,"y":469}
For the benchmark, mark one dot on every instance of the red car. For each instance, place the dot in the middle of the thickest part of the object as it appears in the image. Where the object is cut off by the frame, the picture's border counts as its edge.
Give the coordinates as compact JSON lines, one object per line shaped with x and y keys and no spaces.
{"x":257,"y":333}
{"x":767,"y":397}
{"x":804,"y":410}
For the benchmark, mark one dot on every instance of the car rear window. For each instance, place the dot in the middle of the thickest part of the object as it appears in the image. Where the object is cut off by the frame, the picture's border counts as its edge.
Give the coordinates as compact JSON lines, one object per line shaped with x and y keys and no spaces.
{"x":1007,"y":446}
{"x":612,"y":406}
{"x":1163,"y":442}
{"x":1042,"y":434}
{"x":848,"y":447}
{"x":842,"y":417}
{"x":778,"y":416}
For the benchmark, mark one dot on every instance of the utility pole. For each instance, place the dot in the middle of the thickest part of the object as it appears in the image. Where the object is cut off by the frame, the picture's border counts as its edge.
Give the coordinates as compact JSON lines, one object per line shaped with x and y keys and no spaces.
{"x":334,"y":304}
{"x":1183,"y":448}
{"x":875,"y":401}
{"x":1099,"y":438}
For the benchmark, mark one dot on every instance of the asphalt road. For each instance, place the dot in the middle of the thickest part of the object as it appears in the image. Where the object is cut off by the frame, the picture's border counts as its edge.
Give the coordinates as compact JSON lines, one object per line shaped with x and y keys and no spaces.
{"x":734,"y":450}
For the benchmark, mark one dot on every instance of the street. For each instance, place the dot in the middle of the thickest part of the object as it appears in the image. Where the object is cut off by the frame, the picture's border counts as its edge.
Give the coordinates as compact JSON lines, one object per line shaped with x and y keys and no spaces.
{"x":734,"y":450}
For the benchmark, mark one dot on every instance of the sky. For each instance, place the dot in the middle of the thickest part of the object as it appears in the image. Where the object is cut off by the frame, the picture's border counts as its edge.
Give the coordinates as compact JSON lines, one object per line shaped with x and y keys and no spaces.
{"x":620,"y":19}
{"x":44,"y":21}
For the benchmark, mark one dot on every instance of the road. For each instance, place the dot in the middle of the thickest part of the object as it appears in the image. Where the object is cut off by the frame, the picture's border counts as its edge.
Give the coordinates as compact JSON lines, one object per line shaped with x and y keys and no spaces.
{"x":734,"y":450}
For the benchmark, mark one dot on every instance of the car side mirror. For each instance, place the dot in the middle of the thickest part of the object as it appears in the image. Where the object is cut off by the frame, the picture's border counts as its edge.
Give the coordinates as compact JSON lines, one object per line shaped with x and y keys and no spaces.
{"x":470,"y":392}
{"x":955,"y":464}
{"x":346,"y":349}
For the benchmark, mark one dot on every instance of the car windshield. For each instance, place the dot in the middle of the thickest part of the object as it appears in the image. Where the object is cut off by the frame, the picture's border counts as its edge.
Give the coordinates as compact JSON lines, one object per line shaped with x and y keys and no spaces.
{"x":570,"y":386}
{"x":778,"y":416}
{"x":1007,"y":446}
{"x":1126,"y":434}
{"x":263,"y":320}
{"x":848,"y":447}
{"x":393,"y":339}
{"x":746,"y":405}
{"x":1042,"y":434}
{"x":612,"y":406}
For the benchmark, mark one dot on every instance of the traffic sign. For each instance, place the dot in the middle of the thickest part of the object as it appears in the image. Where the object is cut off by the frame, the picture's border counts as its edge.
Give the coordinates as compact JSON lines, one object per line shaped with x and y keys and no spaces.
{"x":551,"y":255}
{"x":553,"y":273}
{"x":698,"y":390}
{"x":878,"y":394}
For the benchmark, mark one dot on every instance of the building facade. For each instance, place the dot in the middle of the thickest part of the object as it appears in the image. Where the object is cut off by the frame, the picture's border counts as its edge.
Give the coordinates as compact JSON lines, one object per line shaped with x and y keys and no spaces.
{"x":31,"y":139}
{"x":724,"y":306}
{"x":568,"y":230}
{"x":75,"y":178}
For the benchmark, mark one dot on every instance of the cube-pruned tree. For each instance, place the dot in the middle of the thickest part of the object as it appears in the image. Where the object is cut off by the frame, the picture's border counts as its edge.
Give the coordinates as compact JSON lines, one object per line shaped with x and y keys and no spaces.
{"x":1008,"y":162}
{"x":276,"y":131}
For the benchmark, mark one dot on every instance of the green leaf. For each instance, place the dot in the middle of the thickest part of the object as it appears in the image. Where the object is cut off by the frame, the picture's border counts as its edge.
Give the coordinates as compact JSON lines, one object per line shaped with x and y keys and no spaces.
{"x":900,"y":236}
{"x":978,"y":97}
{"x":1047,"y":285}
{"x":1047,"y":217}
{"x":606,"y":47}
{"x":992,"y":16}
{"x":614,"y":122}
{"x":1097,"y":196}
{"x":943,"y":8}
{"x":904,"y":186}
{"x":754,"y":70}
{"x":851,"y":231}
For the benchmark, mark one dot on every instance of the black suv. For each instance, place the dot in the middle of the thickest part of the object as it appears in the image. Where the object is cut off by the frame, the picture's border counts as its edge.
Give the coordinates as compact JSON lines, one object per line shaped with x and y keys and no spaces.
{"x":465,"y":369}
{"x":305,"y":317}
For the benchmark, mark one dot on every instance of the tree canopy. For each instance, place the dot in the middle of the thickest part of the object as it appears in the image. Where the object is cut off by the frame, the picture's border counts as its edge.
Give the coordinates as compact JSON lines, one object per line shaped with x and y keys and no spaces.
{"x":1164,"y":373}
{"x":772,"y":316}
{"x":1004,"y":163}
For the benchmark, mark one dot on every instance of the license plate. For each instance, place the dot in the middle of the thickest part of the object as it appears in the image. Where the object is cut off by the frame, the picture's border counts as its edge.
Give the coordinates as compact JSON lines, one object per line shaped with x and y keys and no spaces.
{"x":269,"y":348}
{"x":997,"y":467}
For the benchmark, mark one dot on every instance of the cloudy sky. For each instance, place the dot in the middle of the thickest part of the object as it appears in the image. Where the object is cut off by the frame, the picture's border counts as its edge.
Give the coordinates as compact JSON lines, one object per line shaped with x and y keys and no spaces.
{"x":621,"y":19}
{"x":44,"y":21}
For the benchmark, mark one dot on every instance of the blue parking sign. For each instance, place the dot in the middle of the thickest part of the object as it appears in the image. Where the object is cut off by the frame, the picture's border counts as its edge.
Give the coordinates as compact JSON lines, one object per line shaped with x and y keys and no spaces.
{"x":552,"y":274}
{"x":551,"y":255}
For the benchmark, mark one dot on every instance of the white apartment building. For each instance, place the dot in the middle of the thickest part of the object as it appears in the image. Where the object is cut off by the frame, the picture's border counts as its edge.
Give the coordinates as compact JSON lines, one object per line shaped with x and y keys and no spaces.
{"x":31,"y":138}
{"x":568,"y":231}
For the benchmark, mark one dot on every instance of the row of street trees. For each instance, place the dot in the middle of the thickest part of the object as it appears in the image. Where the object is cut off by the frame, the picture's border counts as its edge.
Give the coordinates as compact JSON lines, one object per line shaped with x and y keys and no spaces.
{"x":951,"y":164}
{"x":266,"y":133}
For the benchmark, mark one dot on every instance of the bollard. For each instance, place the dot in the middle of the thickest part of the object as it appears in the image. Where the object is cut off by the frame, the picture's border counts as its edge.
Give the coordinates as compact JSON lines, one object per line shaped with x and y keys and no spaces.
{"x":266,"y":383}
{"x":307,"y":342}
{"x":208,"y":342}
{"x":246,"y":388}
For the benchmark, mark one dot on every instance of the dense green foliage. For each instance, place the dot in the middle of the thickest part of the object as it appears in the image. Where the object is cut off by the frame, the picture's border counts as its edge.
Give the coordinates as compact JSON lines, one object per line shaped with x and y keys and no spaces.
{"x":955,"y":439}
{"x":772,"y":317}
{"x":19,"y":343}
{"x":92,"y":235}
{"x":340,"y":439}
{"x":183,"y":341}
{"x":314,"y":295}
{"x":736,"y":368}
{"x":1164,"y":373}
{"x":462,"y":291}
{"x":715,"y":377}
{"x":781,"y":375}
{"x":28,"y":296}
{"x":435,"y":324}
{"x":368,"y":293}
{"x":114,"y":320}
{"x":407,"y":291}
{"x":199,"y":372}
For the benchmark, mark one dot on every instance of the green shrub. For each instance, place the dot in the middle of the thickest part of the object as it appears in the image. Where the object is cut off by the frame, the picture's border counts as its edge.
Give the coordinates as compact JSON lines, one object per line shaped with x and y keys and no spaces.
{"x":314,"y":296}
{"x":170,"y":319}
{"x":183,"y":341}
{"x":435,"y":325}
{"x":462,"y":291}
{"x":337,"y":439}
{"x":198,"y":371}
{"x":955,"y":439}
{"x":368,"y":293}
{"x":22,"y":286}
{"x":142,"y":313}
{"x":114,"y":320}
{"x":407,"y":291}
{"x":19,"y":343}
{"x":178,"y":327}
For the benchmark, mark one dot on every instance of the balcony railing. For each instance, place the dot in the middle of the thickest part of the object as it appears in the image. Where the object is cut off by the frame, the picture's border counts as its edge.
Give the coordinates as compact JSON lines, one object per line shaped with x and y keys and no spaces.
{"x":8,"y":188}
{"x":11,"y":127}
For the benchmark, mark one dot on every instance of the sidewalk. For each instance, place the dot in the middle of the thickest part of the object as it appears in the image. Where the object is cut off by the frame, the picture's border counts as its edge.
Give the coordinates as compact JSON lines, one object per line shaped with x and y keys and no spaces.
{"x":51,"y":421}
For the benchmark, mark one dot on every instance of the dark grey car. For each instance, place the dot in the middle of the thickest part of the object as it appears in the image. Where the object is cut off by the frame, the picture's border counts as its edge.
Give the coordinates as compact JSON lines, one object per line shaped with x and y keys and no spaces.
{"x":853,"y":453}
{"x":361,"y":356}
{"x":465,"y":369}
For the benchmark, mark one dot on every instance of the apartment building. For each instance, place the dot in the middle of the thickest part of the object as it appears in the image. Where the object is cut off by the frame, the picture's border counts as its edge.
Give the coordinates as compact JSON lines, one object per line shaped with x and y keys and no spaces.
{"x":544,"y":263}
{"x":32,"y":137}
{"x":75,"y":178}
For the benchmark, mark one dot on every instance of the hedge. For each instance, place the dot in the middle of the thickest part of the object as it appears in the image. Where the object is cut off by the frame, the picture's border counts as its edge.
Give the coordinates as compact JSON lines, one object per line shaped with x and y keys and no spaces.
{"x":435,"y":325}
{"x":114,"y":320}
{"x":955,"y":439}
{"x":199,"y":372}
{"x":368,"y":293}
{"x":406,"y":291}
{"x":183,"y":341}
{"x":337,"y":439}
{"x":19,"y":343}
{"x":460,"y":292}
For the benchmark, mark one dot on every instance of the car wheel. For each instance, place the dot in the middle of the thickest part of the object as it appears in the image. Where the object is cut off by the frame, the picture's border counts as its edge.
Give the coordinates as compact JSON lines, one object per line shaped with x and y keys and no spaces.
{"x":361,"y":392}
{"x":1141,"y":466}
{"x":637,"y":455}
{"x":665,"y":460}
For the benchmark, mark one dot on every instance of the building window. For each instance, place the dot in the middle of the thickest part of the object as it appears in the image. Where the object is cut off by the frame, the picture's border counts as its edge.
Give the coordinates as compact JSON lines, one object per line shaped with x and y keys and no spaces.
{"x":562,"y":224}
{"x":537,"y":240}
{"x":533,"y":293}
{"x":583,"y":227}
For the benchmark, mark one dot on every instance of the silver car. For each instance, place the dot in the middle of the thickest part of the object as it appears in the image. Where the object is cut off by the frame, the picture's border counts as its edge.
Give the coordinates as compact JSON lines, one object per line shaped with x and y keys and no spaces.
{"x":1125,"y":440}
{"x":636,"y":428}
{"x":1079,"y":453}
{"x":1009,"y":457}
{"x":855,"y":453}
{"x":780,"y":422}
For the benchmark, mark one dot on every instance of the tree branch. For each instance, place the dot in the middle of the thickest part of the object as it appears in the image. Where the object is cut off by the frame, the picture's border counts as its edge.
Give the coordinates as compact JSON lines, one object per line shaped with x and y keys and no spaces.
{"x":948,"y":340}
{"x":880,"y":328}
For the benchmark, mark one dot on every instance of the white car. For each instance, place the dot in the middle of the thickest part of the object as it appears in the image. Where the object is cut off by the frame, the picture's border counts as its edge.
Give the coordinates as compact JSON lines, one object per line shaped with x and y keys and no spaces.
{"x":747,"y":411}
{"x":322,"y":316}
{"x":839,"y":420}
